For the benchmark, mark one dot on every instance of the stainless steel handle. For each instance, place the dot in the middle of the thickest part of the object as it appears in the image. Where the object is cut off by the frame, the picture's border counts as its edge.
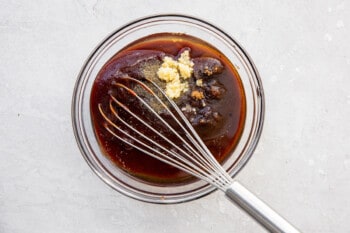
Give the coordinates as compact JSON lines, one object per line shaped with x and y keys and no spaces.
{"x":256,"y":208}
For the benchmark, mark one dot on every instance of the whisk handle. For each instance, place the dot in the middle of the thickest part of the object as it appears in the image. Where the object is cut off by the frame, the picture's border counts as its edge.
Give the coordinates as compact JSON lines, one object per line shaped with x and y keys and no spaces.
{"x":256,"y":208}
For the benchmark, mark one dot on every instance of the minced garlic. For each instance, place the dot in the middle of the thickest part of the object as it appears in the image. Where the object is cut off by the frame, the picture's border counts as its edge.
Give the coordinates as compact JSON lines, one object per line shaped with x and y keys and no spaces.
{"x":174,"y":89}
{"x":185,"y":71}
{"x":169,"y":62}
{"x":199,"y":82}
{"x":168,"y":74}
{"x":185,"y":65}
{"x":175,"y":73}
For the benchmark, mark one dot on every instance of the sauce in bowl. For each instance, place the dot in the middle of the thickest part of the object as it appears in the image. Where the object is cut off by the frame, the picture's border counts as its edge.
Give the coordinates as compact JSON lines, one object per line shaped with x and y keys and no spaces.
{"x":214,"y":101}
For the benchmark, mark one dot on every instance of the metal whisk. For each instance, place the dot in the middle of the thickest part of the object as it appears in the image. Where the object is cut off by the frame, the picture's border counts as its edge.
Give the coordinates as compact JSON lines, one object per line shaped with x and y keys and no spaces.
{"x":184,"y":150}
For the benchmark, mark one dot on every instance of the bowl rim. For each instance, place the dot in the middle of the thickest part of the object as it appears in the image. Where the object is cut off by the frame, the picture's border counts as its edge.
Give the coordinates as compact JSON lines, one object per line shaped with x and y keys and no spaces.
{"x":76,"y":113}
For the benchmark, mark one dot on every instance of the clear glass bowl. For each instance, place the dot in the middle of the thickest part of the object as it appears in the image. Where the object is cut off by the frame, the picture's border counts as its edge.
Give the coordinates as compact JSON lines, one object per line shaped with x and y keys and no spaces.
{"x":82,"y":124}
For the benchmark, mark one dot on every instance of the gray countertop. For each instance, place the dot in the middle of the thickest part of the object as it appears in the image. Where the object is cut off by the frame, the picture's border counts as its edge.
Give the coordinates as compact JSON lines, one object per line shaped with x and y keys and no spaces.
{"x":301,"y":166}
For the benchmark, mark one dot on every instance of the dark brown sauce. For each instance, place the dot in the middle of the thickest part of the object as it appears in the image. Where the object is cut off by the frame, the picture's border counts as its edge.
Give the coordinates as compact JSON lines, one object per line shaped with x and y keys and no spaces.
{"x":221,"y":140}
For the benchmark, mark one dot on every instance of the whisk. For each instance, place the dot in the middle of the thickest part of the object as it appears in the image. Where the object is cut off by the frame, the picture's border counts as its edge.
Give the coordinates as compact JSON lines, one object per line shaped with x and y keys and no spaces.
{"x":188,"y":152}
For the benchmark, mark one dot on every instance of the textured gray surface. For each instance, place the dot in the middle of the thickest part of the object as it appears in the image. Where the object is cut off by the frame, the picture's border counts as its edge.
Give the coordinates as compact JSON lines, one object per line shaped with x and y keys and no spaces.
{"x":301,"y":166}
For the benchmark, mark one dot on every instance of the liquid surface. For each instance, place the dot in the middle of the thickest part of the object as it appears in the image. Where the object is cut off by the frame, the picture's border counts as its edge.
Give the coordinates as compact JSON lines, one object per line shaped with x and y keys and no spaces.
{"x":220,"y":135}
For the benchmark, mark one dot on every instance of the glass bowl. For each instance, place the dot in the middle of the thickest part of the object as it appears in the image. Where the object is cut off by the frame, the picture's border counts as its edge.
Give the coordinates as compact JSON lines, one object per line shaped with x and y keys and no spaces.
{"x":83,"y":128}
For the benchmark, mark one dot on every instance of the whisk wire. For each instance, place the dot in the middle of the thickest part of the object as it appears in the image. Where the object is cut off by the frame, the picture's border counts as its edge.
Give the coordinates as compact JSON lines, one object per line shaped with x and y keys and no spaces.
{"x":201,"y":161}
{"x":183,"y":164}
{"x":192,"y":157}
{"x":189,"y":164}
{"x":205,"y":155}
{"x":134,"y":139}
{"x":154,"y":130}
{"x":161,"y":119}
{"x":197,"y":141}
